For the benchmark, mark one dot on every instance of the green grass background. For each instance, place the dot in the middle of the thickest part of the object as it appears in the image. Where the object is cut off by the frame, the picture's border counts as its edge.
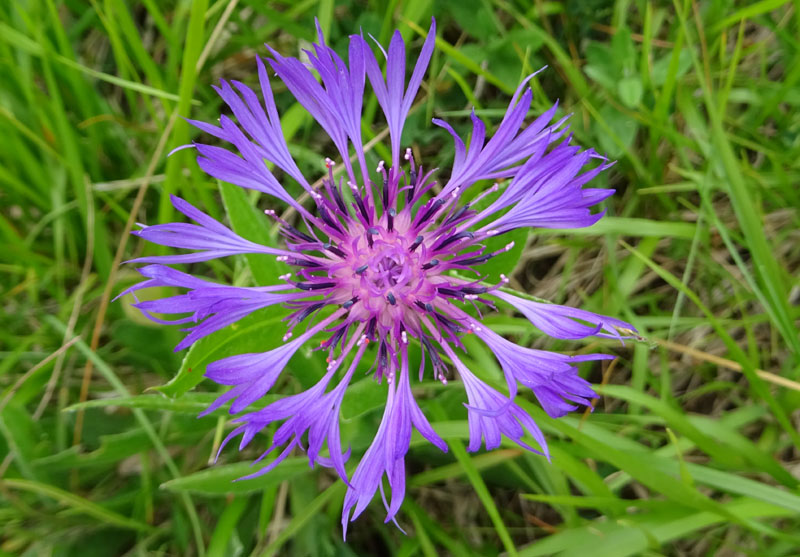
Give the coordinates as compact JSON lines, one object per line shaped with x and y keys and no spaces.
{"x":693,"y":446}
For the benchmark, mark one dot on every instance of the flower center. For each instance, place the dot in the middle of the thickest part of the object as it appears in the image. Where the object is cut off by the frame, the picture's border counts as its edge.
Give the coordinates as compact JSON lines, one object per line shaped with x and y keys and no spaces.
{"x":388,"y":267}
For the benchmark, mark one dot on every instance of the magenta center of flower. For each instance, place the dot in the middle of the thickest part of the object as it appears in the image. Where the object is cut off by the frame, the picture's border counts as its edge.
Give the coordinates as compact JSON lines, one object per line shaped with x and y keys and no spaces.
{"x":388,"y":268}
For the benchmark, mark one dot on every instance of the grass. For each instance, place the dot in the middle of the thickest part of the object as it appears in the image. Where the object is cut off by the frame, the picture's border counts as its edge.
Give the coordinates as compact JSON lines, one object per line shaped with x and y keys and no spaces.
{"x":693,"y":445}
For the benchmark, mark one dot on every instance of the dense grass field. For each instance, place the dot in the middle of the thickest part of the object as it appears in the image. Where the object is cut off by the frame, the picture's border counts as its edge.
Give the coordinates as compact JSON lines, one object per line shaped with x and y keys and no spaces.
{"x":693,"y":447}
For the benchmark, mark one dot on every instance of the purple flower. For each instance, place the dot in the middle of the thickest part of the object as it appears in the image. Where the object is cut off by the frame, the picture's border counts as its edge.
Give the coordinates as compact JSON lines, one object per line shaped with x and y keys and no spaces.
{"x":380,"y":259}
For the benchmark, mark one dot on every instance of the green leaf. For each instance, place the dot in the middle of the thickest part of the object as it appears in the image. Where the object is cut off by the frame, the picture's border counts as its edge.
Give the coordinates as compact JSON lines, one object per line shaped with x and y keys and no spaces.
{"x":361,"y":397}
{"x":630,"y":91}
{"x":252,"y":225}
{"x":80,"y":504}
{"x":504,"y":263}
{"x":257,"y":332}
{"x":633,"y":227}
{"x":222,"y":480}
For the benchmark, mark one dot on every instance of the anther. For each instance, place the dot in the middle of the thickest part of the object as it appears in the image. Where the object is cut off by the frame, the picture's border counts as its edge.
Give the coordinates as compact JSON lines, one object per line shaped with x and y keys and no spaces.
{"x":454,"y":238}
{"x":360,"y":270}
{"x":430,"y":264}
{"x":350,"y":302}
{"x":310,"y":286}
{"x":391,"y":298}
{"x":370,"y":233}
{"x":333,"y":249}
{"x":434,"y":208}
{"x":416,"y":243}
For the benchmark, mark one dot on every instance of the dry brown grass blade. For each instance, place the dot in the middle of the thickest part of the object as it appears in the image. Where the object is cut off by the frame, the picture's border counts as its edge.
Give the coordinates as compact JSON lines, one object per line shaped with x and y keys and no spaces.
{"x":724,"y":362}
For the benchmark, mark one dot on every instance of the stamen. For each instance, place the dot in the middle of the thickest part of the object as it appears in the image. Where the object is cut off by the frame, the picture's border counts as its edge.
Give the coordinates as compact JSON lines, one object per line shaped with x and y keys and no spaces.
{"x":370,"y":233}
{"x":336,"y":193}
{"x":416,"y":243}
{"x":306,"y":312}
{"x":452,"y":239}
{"x":483,"y":194}
{"x":304,"y":263}
{"x":327,"y":219}
{"x":412,"y":187}
{"x":457,"y":215}
{"x":432,"y":210}
{"x":350,"y":302}
{"x":371,"y":328}
{"x":390,"y":214}
{"x":385,"y":197}
{"x":430,"y":264}
{"x":334,"y":249}
{"x":391,"y":298}
{"x":310,"y":286}
{"x":445,"y":291}
{"x":474,"y":289}
{"x":360,"y":270}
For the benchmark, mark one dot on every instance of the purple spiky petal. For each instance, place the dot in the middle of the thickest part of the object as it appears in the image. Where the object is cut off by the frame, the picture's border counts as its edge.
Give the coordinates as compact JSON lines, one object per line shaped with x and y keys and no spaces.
{"x":381,"y":259}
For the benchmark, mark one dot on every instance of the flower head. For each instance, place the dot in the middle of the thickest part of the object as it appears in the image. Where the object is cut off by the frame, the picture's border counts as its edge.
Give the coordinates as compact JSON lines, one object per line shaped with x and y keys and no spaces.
{"x":380,"y":259}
